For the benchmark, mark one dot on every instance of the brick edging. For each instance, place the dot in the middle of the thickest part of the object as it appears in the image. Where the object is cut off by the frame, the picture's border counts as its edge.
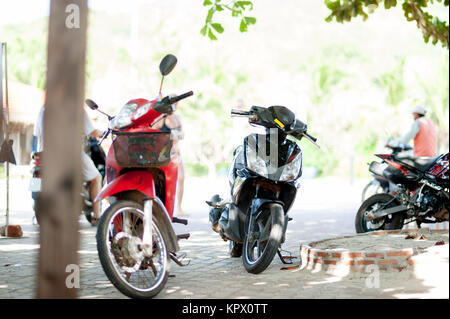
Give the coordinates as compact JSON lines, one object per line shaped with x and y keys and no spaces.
{"x":325,"y":259}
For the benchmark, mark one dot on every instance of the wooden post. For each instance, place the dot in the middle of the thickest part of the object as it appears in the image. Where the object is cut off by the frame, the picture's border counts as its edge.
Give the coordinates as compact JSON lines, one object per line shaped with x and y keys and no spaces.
{"x":59,"y":203}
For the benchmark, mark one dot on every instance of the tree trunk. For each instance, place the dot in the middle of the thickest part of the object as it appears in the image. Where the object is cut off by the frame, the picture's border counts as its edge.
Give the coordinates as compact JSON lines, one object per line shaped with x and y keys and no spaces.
{"x":59,"y":203}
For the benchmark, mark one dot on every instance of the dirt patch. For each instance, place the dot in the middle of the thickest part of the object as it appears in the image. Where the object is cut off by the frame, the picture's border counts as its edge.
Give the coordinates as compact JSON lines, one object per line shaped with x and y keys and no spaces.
{"x":386,"y":241}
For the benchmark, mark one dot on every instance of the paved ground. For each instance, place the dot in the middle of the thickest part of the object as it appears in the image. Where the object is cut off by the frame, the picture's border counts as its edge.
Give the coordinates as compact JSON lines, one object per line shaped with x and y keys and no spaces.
{"x":324,"y":208}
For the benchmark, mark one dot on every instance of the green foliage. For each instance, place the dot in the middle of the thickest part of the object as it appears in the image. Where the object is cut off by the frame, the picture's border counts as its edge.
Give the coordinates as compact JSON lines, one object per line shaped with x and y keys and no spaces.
{"x":325,"y":162}
{"x":431,"y":26}
{"x":393,"y":82}
{"x":325,"y":77}
{"x":238,"y":10}
{"x":27,"y":53}
{"x":196,"y":169}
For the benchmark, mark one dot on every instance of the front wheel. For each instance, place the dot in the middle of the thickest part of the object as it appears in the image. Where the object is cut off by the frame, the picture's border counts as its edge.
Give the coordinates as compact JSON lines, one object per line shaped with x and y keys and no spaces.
{"x":375,"y":203}
{"x":121,"y":253}
{"x":263,"y":238}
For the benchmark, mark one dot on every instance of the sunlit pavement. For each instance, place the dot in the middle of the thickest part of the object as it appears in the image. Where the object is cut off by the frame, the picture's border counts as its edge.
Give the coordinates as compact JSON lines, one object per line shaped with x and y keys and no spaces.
{"x":324,"y":208}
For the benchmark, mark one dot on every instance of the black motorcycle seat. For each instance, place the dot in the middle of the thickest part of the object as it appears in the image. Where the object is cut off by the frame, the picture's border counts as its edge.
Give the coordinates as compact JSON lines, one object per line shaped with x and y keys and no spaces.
{"x":421,"y":163}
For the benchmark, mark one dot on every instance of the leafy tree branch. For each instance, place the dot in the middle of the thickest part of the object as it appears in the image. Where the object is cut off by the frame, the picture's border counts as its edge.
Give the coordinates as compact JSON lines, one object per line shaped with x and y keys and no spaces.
{"x":238,"y":9}
{"x":414,"y":10}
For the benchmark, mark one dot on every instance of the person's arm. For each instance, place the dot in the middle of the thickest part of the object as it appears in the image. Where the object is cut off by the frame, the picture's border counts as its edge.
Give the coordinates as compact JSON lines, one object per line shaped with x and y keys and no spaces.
{"x":415,"y":127}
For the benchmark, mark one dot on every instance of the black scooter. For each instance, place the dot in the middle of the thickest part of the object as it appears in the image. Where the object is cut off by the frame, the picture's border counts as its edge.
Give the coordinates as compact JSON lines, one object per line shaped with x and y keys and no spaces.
{"x":263,"y":187}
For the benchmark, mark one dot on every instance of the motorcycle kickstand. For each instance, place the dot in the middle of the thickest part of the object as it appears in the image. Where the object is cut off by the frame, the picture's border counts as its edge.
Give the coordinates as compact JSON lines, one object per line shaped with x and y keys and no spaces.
{"x":179,"y":259}
{"x":283,"y":258}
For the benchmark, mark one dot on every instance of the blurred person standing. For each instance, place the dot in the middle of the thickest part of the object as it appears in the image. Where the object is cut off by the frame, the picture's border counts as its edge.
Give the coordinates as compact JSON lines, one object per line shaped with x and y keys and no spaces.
{"x":172,"y":123}
{"x":423,"y":132}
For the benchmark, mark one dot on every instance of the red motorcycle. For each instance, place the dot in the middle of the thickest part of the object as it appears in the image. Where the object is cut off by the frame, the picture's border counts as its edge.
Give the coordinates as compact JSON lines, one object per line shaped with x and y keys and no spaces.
{"x":135,"y":237}
{"x":421,"y":194}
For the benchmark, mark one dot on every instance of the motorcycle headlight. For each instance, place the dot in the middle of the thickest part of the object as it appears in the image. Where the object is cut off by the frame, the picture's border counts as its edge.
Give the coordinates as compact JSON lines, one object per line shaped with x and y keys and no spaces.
{"x":291,"y":170}
{"x":143,"y":109}
{"x":255,"y":163}
{"x":123,"y":119}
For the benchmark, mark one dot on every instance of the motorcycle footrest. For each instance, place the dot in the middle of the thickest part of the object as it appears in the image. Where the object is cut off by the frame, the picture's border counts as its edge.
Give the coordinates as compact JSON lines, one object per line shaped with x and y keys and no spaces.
{"x":179,"y":220}
{"x":214,"y":204}
{"x":178,"y":259}
{"x":183,"y":236}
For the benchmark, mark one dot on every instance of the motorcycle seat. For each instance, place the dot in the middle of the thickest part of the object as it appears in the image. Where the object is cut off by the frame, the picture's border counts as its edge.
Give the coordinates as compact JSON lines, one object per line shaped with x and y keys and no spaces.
{"x":421,"y":163}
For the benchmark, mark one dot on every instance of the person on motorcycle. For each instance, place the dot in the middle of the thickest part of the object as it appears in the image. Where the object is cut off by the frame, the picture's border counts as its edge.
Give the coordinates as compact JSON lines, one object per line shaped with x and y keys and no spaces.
{"x":88,"y":169}
{"x":423,"y":133}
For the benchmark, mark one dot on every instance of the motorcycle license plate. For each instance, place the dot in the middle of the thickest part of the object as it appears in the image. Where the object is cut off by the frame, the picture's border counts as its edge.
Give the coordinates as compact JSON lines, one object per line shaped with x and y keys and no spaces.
{"x":35,"y":184}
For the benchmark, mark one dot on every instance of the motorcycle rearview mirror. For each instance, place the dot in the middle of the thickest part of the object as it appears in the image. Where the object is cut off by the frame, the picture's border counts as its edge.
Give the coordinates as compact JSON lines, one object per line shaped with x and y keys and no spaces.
{"x":167,"y":64}
{"x":92,"y":105}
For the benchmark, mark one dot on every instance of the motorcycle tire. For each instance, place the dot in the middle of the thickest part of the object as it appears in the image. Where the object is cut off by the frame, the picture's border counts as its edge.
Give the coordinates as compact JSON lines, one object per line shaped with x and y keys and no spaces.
{"x":118,"y":255}
{"x":390,"y":222}
{"x":266,"y":241}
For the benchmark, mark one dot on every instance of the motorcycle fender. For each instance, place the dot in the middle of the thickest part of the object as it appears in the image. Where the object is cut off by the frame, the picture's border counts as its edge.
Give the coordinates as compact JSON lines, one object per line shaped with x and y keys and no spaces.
{"x":258,"y":202}
{"x":141,"y":181}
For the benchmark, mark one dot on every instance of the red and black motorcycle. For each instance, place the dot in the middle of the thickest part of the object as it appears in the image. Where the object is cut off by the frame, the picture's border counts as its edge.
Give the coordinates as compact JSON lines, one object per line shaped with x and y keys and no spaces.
{"x":135,"y":237}
{"x":421,"y":194}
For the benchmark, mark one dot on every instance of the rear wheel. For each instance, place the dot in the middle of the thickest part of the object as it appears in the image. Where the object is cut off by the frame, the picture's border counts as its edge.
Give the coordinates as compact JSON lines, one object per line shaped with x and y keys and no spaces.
{"x":263,"y":238}
{"x":375,"y":203}
{"x":121,"y":253}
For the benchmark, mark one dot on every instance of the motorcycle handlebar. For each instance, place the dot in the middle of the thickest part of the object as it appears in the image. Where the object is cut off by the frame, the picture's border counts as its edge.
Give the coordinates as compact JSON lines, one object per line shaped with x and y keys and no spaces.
{"x":180,"y":97}
{"x":314,"y":139}
{"x":240,"y":112}
{"x":165,"y":105}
